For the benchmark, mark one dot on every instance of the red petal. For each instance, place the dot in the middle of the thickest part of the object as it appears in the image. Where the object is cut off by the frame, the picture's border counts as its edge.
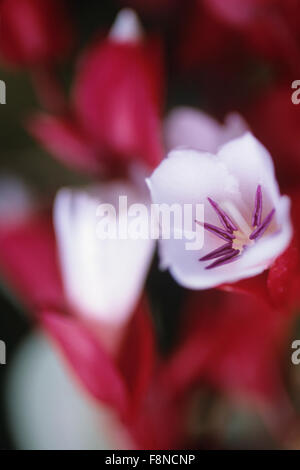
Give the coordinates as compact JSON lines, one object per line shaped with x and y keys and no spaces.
{"x":64,"y":140}
{"x":282,"y":276}
{"x":205,"y":39}
{"x":255,"y":286}
{"x":28,"y":262}
{"x":34,"y":32}
{"x":117,"y":98}
{"x":237,"y":12}
{"x":275,"y":121}
{"x":232,"y":343}
{"x":95,"y":369}
{"x":137,"y":354}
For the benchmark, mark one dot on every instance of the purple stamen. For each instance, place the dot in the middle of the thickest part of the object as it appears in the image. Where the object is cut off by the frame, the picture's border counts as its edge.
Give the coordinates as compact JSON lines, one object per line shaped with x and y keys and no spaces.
{"x":256,"y":218}
{"x":226,"y":253}
{"x":224,"y":260}
{"x":221,"y":251}
{"x":262,"y":227}
{"x":224,"y":218}
{"x":219,"y":232}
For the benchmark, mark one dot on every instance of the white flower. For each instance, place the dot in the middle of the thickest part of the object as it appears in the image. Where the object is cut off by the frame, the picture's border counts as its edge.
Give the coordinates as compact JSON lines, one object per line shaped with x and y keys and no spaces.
{"x":245,"y":215}
{"x":61,"y":417}
{"x":190,"y":127}
{"x":103,"y":278}
{"x":127,"y":27}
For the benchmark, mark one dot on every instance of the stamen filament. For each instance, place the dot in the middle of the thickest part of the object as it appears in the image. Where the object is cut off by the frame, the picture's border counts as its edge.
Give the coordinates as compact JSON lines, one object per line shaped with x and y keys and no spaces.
{"x":224,"y":260}
{"x":258,"y":232}
{"x":223,"y":217}
{"x":256,"y":218}
{"x":223,"y":250}
{"x":237,"y":216}
{"x":238,"y":237}
{"x":219,"y":232}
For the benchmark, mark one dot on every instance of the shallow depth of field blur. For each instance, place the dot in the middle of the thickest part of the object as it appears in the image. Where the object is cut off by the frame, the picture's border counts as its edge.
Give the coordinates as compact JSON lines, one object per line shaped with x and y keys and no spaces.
{"x":243,"y":393}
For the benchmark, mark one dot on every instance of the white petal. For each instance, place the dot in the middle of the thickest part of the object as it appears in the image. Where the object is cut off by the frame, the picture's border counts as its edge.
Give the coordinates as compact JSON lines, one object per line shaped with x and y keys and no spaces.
{"x":189,"y":127}
{"x":268,"y":248}
{"x":189,"y":176}
{"x":102,"y":278}
{"x":196,"y":129}
{"x":46,"y":410}
{"x":127,"y":27}
{"x":250,"y":162}
{"x":189,"y":272}
{"x":234,"y":126}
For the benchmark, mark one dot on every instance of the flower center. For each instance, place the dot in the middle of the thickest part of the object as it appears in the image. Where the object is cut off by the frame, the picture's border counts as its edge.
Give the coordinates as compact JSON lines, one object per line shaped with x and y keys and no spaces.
{"x":237,"y":234}
{"x":240,"y":241}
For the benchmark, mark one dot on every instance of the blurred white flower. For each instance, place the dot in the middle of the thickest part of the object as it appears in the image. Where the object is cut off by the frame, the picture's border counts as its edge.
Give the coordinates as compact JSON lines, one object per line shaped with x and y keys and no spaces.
{"x":247,"y":221}
{"x":46,"y":410}
{"x":188,"y":127}
{"x":103,"y":279}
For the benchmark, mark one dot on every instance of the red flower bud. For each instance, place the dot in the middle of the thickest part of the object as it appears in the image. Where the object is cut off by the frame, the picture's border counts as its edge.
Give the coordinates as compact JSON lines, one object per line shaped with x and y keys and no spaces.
{"x":114,"y":114}
{"x":34,"y":32}
{"x":117,"y":99}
